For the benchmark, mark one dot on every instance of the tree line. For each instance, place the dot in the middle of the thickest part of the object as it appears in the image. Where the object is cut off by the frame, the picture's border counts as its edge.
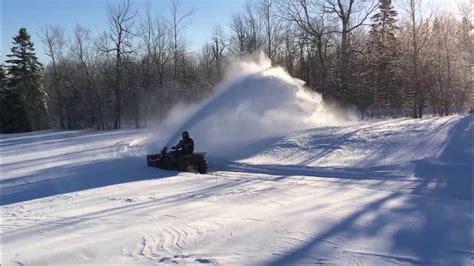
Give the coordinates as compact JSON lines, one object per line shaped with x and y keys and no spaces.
{"x":374,"y":56}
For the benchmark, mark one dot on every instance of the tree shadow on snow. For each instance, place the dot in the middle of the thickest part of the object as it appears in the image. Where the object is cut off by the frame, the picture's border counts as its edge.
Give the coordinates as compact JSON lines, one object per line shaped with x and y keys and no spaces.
{"x":56,"y":137}
{"x":436,"y":228}
{"x":71,"y":178}
{"x":146,"y":206}
{"x":385,"y":172}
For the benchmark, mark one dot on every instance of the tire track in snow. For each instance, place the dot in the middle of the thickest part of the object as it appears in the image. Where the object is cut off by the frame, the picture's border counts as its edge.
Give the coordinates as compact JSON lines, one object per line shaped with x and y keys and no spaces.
{"x":168,"y":244}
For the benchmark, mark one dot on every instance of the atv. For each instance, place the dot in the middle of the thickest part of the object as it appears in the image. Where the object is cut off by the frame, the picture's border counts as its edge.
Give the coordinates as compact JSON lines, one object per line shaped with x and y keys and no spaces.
{"x":194,"y":162}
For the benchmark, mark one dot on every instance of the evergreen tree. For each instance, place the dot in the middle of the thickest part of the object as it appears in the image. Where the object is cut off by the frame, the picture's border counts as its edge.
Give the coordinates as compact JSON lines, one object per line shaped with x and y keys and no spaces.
{"x":23,"y":99}
{"x":3,"y":79}
{"x":3,"y":87}
{"x":12,"y":116}
{"x":383,"y":51}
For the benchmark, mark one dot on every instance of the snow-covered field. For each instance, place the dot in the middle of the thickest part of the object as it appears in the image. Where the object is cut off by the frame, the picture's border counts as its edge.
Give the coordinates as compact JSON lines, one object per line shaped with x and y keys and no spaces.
{"x":375,"y":193}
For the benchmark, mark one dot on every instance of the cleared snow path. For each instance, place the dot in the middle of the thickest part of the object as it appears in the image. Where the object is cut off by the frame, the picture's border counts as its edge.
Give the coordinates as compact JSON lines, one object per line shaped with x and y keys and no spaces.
{"x":378,"y":193}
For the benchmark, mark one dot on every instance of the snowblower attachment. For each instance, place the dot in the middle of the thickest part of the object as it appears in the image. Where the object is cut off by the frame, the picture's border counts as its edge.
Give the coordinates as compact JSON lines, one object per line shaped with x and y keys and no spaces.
{"x":195,"y":162}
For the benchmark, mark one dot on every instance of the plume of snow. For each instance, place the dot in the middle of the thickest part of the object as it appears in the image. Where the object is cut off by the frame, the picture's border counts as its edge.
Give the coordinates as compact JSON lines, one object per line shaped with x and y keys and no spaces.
{"x":254,"y":101}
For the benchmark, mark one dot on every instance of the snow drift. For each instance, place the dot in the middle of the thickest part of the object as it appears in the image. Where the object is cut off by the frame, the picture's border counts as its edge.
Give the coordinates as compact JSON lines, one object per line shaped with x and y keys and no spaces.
{"x":254,"y":101}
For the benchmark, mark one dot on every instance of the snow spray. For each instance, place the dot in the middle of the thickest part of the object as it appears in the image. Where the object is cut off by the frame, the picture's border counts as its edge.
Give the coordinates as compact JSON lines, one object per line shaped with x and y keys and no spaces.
{"x":254,"y":101}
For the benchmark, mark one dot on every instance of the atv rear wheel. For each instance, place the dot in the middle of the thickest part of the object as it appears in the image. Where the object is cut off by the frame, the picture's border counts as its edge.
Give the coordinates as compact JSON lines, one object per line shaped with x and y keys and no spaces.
{"x":195,"y":162}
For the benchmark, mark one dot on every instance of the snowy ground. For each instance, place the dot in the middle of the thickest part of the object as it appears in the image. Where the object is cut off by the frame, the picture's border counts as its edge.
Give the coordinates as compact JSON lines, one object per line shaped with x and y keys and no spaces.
{"x":376,"y":193}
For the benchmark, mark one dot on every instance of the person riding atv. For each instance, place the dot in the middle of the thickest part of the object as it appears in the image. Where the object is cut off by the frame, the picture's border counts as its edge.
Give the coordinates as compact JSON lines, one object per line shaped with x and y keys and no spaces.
{"x":183,"y":158}
{"x":184,"y":147}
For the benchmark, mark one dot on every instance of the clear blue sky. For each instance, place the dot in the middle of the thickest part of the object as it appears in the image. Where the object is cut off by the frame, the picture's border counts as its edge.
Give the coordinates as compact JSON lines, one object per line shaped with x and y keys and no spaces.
{"x":37,"y":14}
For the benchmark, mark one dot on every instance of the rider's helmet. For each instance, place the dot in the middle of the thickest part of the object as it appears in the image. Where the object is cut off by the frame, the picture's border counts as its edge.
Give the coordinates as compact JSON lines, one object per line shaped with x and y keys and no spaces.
{"x":185,"y":134}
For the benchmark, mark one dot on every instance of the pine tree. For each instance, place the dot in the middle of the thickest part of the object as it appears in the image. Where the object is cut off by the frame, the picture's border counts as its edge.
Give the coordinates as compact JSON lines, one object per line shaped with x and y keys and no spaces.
{"x":24,"y":99}
{"x":3,"y":87}
{"x":12,"y":115}
{"x":3,"y":79}
{"x":383,"y":52}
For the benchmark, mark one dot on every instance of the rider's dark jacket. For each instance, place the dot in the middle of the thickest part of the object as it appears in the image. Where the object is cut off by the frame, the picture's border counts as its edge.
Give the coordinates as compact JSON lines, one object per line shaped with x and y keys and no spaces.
{"x":186,"y":145}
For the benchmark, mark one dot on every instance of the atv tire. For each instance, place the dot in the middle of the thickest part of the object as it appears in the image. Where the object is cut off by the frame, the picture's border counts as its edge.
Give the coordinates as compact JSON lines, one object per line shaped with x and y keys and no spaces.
{"x":195,"y":162}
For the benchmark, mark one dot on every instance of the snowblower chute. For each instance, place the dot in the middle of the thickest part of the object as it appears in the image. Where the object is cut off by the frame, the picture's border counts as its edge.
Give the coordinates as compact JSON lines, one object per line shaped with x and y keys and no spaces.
{"x":194,"y":162}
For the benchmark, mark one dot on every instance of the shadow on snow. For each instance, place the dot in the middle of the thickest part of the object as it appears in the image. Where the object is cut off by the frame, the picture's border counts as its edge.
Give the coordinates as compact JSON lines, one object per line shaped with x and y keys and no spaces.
{"x":428,"y":240}
{"x":81,"y":177}
{"x":68,"y":178}
{"x":448,"y":176}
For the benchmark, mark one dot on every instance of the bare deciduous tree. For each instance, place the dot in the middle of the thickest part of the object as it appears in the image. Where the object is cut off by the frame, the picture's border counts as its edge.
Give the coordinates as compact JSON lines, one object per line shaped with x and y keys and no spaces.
{"x":351,"y":15}
{"x":219,"y":45}
{"x":272,"y":24}
{"x":121,"y":17}
{"x":310,"y":18}
{"x":82,"y":50}
{"x":418,"y":39}
{"x":53,"y":39}
{"x":178,"y":22}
